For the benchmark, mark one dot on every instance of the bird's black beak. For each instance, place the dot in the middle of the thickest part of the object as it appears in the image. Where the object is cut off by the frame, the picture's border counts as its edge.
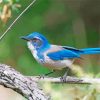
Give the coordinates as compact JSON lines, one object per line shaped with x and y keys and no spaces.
{"x":24,"y":38}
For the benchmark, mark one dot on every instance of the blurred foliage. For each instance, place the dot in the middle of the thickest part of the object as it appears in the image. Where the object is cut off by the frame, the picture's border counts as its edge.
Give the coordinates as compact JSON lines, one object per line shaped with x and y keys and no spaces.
{"x":64,"y":22}
{"x":72,"y":91}
{"x":6,"y":8}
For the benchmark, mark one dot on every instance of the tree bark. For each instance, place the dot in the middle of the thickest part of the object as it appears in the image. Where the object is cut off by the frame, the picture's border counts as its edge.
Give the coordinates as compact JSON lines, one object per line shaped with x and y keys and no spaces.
{"x":10,"y":78}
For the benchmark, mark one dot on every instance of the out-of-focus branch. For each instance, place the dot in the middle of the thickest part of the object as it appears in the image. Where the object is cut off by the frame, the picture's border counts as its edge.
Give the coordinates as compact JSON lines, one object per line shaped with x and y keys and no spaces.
{"x":27,"y":87}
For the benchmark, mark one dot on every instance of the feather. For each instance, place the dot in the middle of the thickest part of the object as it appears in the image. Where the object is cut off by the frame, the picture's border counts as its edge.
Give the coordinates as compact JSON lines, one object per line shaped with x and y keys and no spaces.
{"x":73,"y":49}
{"x":63,"y":54}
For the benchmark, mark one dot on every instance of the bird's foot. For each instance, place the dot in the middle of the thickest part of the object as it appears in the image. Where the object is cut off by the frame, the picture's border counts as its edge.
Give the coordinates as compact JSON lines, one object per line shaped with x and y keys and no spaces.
{"x":41,"y":76}
{"x":64,"y":78}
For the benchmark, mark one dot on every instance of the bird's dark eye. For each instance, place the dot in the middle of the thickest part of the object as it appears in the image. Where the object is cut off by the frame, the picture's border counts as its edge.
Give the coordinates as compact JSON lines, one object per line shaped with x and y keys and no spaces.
{"x":37,"y":42}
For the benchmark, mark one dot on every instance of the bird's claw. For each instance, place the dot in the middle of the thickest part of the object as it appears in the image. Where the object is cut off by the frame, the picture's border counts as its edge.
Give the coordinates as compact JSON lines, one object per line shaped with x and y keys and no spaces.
{"x":63,"y":79}
{"x":41,"y":76}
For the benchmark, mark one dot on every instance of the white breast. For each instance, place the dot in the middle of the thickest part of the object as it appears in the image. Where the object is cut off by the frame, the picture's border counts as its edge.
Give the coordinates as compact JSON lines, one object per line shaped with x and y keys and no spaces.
{"x":33,"y":50}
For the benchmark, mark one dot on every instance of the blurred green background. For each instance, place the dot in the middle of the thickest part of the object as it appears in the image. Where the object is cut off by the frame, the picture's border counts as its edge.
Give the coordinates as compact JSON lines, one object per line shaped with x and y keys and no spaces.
{"x":64,"y":22}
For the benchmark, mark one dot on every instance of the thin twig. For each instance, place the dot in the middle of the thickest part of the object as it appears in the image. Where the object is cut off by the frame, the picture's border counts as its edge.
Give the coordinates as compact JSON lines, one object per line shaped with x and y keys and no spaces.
{"x":1,"y":37}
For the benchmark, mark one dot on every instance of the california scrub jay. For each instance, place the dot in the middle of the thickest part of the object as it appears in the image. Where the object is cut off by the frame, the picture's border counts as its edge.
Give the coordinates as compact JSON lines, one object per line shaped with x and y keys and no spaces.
{"x":52,"y":56}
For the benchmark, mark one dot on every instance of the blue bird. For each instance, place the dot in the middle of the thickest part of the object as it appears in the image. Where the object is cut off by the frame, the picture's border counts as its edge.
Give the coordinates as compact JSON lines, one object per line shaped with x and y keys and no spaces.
{"x":55,"y":57}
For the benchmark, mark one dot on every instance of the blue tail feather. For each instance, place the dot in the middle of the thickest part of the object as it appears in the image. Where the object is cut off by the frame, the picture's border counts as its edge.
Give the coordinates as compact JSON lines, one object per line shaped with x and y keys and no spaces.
{"x":90,"y":51}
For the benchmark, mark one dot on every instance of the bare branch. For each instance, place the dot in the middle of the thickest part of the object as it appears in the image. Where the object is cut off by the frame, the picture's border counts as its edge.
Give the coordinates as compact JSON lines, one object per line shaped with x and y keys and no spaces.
{"x":69,"y":79}
{"x":27,"y":85}
{"x":10,"y":78}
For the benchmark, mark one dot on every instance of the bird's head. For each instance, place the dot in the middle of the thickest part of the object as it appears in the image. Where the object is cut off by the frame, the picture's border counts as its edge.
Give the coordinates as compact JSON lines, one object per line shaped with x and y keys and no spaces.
{"x":37,"y":40}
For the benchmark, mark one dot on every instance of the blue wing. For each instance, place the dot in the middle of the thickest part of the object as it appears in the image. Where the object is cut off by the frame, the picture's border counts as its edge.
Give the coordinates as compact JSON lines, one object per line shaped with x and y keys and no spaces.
{"x":63,"y":54}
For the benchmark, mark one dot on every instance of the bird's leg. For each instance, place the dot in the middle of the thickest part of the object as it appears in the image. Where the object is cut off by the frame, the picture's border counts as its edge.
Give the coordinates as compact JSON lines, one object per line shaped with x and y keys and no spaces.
{"x":63,"y":78}
{"x":42,"y":76}
{"x":49,"y":73}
